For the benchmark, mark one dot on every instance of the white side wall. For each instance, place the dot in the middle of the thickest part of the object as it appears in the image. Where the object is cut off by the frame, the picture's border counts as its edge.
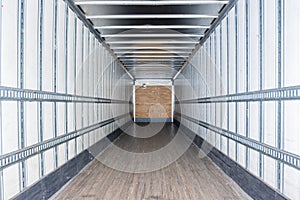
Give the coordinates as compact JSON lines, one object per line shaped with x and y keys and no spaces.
{"x":224,"y":64}
{"x":79,"y":66}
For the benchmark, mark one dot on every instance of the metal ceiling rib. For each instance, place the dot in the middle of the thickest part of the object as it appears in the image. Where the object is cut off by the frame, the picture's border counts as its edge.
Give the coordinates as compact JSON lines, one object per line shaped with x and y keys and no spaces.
{"x":149,"y":3}
{"x":151,"y":38}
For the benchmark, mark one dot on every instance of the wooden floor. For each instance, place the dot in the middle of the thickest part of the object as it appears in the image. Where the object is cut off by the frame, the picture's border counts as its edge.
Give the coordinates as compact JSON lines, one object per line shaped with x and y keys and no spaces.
{"x":190,"y":177}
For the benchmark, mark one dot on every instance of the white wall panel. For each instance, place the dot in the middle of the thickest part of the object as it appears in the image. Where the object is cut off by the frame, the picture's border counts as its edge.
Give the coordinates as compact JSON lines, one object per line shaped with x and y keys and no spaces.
{"x":47,"y":71}
{"x":33,"y":170}
{"x":9,"y":43}
{"x":11,"y":181}
{"x":254,"y":45}
{"x":291,"y":43}
{"x":292,"y":182}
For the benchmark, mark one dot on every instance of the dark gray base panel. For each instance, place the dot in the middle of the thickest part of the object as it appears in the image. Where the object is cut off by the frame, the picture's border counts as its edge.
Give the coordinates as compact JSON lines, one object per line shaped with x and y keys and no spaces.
{"x":252,"y":185}
{"x":50,"y":184}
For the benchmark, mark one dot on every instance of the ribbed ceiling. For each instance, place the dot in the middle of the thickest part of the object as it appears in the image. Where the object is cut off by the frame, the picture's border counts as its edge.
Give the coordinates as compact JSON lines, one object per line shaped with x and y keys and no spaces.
{"x":152,"y":39}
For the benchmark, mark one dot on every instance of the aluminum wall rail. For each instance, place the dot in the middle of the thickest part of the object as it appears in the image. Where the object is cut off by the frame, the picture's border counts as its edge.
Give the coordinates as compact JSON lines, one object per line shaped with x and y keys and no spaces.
{"x":16,"y":94}
{"x":288,"y":158}
{"x":279,"y":94}
{"x":9,"y":159}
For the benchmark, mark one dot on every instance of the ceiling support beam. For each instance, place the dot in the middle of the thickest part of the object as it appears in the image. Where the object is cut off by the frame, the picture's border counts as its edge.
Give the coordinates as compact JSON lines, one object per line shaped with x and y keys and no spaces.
{"x":153,"y":16}
{"x":151,"y":59}
{"x":154,"y":42}
{"x":153,"y":47}
{"x":176,"y":35}
{"x":153,"y":55}
{"x":149,"y":66}
{"x":152,"y":52}
{"x":154,"y":27}
{"x":151,"y":3}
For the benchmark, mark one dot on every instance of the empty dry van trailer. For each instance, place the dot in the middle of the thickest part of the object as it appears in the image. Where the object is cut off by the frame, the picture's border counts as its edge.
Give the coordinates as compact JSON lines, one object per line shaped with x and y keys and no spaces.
{"x":154,"y":99}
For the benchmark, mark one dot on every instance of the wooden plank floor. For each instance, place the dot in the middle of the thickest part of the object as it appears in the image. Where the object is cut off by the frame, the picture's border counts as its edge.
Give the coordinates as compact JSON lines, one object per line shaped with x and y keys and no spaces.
{"x":190,"y":177}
